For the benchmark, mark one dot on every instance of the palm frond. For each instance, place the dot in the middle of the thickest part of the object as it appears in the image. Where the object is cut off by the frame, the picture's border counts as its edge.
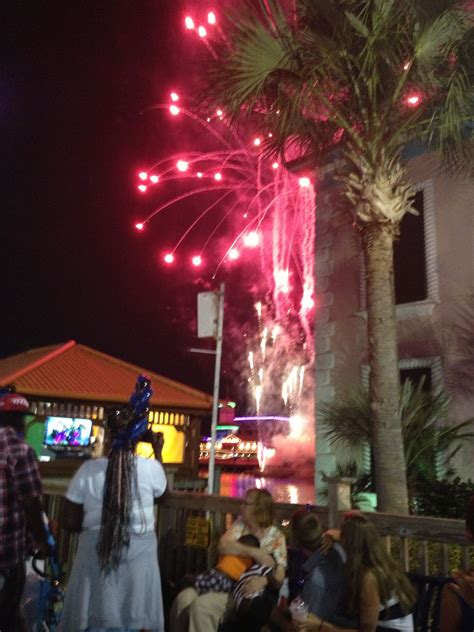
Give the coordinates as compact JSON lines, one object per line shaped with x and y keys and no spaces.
{"x":426,"y":434}
{"x":347,"y":65}
{"x":346,"y":422}
{"x":440,"y":37}
{"x":359,"y":26}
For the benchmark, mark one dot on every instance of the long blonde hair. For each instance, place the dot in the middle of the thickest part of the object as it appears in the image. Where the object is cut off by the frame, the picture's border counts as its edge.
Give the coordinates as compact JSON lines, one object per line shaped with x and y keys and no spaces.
{"x":366,"y":553}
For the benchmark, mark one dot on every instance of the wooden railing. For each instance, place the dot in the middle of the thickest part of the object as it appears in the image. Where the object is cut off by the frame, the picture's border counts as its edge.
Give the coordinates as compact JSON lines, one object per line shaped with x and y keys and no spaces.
{"x":427,"y":545}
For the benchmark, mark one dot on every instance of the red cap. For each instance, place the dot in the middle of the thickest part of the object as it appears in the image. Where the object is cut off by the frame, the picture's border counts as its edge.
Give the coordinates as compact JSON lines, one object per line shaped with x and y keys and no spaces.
{"x":13,"y":402}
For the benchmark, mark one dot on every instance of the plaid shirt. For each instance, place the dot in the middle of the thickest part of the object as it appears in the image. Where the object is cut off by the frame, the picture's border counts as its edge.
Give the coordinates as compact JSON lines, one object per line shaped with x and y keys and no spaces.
{"x":19,"y":478}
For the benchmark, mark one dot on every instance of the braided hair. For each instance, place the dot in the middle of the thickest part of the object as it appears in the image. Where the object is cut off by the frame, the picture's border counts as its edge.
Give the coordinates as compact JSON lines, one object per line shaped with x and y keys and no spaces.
{"x":121,"y":483}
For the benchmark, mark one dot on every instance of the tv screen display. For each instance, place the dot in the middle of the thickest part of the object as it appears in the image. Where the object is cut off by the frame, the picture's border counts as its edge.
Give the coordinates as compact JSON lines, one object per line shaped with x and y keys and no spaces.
{"x":67,"y":431}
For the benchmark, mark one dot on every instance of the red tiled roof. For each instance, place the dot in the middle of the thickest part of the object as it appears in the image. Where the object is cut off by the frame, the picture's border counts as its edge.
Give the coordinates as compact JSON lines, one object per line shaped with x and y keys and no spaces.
{"x":74,"y":371}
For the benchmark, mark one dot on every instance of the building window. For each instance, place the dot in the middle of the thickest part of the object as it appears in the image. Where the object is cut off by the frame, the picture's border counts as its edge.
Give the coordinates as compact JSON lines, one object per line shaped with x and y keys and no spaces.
{"x":417,"y":376}
{"x":410,"y":256}
{"x":415,"y":260}
{"x":414,"y":369}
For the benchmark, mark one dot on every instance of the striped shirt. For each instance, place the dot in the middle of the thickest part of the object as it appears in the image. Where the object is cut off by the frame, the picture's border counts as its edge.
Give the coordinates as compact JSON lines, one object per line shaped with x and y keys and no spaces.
{"x":257,"y":570}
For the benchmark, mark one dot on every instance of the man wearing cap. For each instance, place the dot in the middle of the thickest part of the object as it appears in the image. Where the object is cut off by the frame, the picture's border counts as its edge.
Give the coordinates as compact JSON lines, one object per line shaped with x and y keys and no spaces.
{"x":20,"y":507}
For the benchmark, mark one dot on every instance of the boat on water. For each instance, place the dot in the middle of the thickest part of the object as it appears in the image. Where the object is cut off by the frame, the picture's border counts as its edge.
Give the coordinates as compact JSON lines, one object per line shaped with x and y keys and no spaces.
{"x":231,"y":452}
{"x":234,"y":453}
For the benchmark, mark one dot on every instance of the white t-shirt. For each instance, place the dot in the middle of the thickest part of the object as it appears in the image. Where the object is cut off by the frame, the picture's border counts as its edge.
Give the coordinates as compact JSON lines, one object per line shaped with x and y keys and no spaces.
{"x":87,"y":487}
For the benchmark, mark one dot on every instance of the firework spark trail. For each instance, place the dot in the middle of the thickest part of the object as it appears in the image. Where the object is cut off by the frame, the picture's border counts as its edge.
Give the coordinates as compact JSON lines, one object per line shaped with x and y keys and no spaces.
{"x":274,"y":184}
{"x":198,"y":119}
{"x":263,"y":191}
{"x":284,"y":349}
{"x":182,"y":197}
{"x":222,"y":159}
{"x":198,"y":219}
{"x":279,"y":213}
{"x":226,"y":215}
{"x":280,"y":445}
{"x":307,"y":257}
{"x":257,"y":220}
{"x":293,"y":387}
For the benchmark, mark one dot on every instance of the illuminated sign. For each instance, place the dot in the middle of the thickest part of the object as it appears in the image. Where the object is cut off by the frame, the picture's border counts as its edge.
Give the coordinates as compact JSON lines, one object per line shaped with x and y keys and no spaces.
{"x":198,"y":533}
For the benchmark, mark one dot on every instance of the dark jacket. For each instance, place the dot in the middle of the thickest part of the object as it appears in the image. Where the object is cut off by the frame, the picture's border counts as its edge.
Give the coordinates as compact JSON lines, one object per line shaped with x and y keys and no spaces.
{"x":323,"y":587}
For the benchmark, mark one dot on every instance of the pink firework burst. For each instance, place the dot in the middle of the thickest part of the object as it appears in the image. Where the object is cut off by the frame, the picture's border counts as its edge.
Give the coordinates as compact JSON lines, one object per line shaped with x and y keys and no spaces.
{"x":240,"y":208}
{"x":265,"y":213}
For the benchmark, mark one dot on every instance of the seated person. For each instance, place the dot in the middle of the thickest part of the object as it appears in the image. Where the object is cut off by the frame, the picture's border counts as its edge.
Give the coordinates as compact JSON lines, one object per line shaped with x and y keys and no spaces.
{"x":324,"y":569}
{"x":457,"y":598}
{"x":375,"y":593}
{"x":251,"y":608}
{"x":228,"y":570}
{"x":323,"y":572}
{"x":242,"y":597}
{"x":192,"y":612}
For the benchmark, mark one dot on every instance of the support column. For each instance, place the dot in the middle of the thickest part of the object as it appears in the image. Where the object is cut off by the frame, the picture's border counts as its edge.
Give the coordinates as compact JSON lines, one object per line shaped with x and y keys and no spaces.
{"x":339,"y":499}
{"x":324,"y":329}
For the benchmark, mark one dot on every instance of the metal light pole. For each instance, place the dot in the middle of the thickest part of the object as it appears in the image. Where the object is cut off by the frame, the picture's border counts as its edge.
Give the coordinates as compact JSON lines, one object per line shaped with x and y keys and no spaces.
{"x":215,"y":395}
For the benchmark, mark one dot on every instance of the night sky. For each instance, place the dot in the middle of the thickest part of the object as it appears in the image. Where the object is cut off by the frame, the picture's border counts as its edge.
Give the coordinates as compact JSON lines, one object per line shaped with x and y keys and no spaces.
{"x":77,"y":80}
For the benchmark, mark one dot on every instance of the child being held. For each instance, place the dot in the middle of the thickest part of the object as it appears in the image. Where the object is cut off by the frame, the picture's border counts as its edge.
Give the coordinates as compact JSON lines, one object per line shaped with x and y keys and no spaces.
{"x":228,"y":570}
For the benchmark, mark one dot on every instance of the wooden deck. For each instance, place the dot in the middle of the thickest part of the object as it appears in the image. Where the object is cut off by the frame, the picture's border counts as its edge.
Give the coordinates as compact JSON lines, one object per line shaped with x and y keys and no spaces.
{"x":430,"y":546}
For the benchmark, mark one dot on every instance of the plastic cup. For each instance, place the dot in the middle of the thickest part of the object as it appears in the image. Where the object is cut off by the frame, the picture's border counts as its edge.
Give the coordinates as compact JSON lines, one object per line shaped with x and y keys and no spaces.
{"x":299,"y":610}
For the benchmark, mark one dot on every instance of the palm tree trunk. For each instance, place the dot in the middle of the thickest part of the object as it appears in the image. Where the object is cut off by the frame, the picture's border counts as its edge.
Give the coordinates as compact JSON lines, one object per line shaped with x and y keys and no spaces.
{"x":389,"y":461}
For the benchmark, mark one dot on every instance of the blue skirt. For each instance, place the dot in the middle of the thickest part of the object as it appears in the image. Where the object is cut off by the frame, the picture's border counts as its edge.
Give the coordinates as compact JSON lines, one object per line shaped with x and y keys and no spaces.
{"x":128,"y":598}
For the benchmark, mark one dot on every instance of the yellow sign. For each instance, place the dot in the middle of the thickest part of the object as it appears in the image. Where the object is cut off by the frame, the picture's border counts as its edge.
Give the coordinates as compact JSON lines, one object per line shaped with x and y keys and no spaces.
{"x":173,"y":448}
{"x":198,"y":533}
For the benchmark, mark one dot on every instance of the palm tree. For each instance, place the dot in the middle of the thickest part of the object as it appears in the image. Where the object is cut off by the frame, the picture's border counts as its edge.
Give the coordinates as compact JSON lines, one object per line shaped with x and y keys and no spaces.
{"x":356,"y":80}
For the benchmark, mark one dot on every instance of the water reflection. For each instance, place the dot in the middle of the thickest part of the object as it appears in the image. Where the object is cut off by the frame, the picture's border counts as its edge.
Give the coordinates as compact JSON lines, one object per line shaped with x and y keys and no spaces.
{"x":283,"y":490}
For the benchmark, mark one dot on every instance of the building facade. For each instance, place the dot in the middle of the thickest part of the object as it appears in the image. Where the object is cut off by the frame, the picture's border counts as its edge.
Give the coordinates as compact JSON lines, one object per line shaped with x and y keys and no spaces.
{"x":434,"y":288}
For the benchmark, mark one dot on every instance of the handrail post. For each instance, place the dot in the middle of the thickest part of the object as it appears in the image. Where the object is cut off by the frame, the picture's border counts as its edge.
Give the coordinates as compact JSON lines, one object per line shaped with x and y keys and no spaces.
{"x":170,"y":480}
{"x":339,"y":499}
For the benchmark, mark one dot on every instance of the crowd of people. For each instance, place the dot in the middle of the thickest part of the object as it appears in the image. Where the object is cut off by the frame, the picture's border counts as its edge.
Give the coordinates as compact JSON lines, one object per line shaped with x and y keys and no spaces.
{"x":326,"y":581}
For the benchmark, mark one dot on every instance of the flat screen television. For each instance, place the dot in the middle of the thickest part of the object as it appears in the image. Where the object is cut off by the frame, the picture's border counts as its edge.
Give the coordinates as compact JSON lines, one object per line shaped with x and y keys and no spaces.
{"x":67,"y":432}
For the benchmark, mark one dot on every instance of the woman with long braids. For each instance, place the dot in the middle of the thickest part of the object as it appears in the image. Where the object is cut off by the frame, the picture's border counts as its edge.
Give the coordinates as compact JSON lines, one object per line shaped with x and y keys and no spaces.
{"x":115,"y":580}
